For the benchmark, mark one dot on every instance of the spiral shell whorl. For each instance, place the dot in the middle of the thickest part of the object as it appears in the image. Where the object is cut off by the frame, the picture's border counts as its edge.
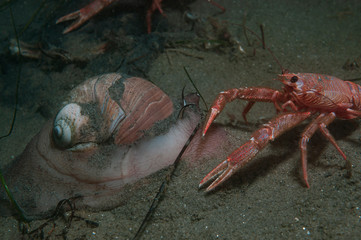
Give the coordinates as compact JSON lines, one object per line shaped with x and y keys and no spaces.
{"x":144,"y":104}
{"x":66,"y":125}
{"x":102,"y":114}
{"x":110,"y":105}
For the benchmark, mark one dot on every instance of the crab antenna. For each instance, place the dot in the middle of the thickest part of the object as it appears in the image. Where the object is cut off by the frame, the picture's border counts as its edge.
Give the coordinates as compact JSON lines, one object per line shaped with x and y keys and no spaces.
{"x":195,"y":87}
{"x":266,"y":47}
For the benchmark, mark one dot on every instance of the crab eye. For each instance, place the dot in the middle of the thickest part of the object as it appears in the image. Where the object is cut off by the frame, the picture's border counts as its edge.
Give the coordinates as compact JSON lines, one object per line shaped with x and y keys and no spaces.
{"x":294,"y":79}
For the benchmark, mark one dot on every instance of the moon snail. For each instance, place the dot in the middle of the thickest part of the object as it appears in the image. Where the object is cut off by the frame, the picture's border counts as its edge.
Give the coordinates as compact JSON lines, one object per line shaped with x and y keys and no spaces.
{"x":112,"y":131}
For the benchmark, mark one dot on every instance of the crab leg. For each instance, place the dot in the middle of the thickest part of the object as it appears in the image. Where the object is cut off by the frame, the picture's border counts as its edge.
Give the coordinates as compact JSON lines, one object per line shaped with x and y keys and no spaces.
{"x":321,"y":123}
{"x":217,"y":5}
{"x":154,"y":6}
{"x":257,"y":142}
{"x":250,"y":94}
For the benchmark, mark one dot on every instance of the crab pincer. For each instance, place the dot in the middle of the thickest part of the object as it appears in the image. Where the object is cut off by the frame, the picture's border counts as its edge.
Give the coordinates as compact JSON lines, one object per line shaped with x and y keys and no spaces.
{"x":259,"y":139}
{"x":84,"y":14}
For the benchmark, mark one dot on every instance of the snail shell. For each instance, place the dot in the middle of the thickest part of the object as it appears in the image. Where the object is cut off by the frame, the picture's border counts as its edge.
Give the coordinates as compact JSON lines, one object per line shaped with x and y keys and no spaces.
{"x":109,"y":106}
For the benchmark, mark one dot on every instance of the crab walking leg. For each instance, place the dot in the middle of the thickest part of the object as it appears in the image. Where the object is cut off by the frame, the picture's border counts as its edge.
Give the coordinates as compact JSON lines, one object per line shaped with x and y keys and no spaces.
{"x":257,"y":142}
{"x":154,"y":6}
{"x":217,"y":5}
{"x":321,"y":123}
{"x":250,"y":94}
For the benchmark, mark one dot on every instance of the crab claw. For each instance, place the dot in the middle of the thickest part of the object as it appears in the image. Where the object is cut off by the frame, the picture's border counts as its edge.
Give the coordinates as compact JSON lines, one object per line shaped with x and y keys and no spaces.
{"x":229,"y":166}
{"x":217,"y":107}
{"x":213,"y":113}
{"x":259,"y":139}
{"x":84,"y":14}
{"x":222,"y":169}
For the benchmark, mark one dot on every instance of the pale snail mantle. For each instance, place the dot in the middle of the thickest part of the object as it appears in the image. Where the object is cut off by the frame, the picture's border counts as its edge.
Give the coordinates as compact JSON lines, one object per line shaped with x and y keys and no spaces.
{"x":94,"y":146}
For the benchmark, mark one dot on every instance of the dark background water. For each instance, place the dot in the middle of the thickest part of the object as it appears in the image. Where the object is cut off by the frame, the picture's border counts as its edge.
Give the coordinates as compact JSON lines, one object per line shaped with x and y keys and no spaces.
{"x":266,"y":199}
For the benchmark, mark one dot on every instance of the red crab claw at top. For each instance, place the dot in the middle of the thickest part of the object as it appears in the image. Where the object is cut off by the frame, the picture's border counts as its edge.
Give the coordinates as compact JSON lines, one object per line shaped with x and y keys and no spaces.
{"x":90,"y":10}
{"x":84,"y":14}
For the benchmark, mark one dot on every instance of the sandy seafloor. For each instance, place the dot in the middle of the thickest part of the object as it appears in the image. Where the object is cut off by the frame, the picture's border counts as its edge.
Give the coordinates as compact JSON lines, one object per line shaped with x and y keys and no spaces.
{"x":265,"y":200}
